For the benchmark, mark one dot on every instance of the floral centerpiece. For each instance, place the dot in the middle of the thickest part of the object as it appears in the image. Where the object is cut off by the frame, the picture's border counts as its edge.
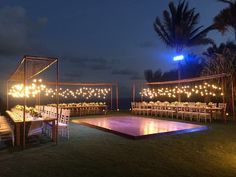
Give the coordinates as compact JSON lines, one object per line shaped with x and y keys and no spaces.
{"x":210,"y":104}
{"x":29,"y":110}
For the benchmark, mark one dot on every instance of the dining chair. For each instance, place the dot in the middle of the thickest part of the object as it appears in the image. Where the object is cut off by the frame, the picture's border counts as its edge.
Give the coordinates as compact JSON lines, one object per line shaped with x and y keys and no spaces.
{"x":171,"y":111}
{"x":63,"y":124}
{"x":133,"y":107}
{"x":204,"y":114}
{"x":6,"y":130}
{"x":162,"y":110}
{"x":180,"y":111}
{"x":223,"y":107}
{"x":154,"y":109}
{"x":36,"y":128}
{"x":192,"y":113}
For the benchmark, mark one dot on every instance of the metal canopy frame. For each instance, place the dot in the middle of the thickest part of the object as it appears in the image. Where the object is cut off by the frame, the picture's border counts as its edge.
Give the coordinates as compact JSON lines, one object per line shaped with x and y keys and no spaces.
{"x":222,"y":77}
{"x":195,"y":79}
{"x":28,"y":68}
{"x":111,"y":85}
{"x":35,"y":66}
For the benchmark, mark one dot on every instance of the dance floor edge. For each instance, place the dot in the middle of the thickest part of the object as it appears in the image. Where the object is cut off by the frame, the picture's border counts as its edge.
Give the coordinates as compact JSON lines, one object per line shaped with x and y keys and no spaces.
{"x":138,"y":127}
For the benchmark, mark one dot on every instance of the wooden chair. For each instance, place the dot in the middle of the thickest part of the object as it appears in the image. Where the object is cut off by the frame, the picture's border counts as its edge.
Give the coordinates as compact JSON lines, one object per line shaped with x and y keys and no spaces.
{"x":133,"y":108}
{"x":154,"y":108}
{"x":203,"y":114}
{"x":213,"y":112}
{"x":180,"y":111}
{"x":146,"y":109}
{"x":223,"y":106}
{"x":46,"y":111}
{"x":192,"y":113}
{"x":36,"y":128}
{"x":138,"y":108}
{"x":162,"y":110}
{"x":50,"y":112}
{"x":99,"y":109}
{"x":171,"y":111}
{"x":6,"y":130}
{"x":63,"y":124}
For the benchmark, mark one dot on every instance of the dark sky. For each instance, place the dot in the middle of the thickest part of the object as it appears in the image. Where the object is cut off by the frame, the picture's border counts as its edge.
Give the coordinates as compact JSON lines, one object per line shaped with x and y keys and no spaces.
{"x":95,"y":40}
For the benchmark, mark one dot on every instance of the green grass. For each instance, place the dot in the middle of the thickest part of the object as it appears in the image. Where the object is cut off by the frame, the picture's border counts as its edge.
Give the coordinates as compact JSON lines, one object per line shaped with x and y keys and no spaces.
{"x":92,"y":152}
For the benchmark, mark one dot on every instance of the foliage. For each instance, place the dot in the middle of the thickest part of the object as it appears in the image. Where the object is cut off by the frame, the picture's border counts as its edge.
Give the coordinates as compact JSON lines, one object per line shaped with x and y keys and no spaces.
{"x":151,"y":76}
{"x":191,"y":67}
{"x":148,"y":74}
{"x":170,"y":75}
{"x":227,"y":17}
{"x":179,"y":27}
{"x":221,"y":59}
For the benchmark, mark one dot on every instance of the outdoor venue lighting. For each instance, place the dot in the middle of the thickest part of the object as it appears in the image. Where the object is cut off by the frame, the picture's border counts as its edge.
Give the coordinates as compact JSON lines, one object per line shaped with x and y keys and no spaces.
{"x":36,"y":88}
{"x":201,"y":90}
{"x":84,"y":92}
{"x":18,"y":90}
{"x":178,"y":58}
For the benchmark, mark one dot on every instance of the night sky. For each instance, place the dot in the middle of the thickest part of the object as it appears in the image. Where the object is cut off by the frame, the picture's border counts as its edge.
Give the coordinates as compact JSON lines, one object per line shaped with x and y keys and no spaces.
{"x":95,"y":40}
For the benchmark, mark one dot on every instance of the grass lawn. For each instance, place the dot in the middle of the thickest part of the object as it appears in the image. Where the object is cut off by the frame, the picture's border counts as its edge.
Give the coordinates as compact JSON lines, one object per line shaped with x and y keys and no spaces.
{"x":92,"y":152}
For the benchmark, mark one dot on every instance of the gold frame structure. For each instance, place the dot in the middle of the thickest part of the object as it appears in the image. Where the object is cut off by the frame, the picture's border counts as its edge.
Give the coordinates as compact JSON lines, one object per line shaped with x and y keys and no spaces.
{"x":28,"y":68}
{"x":222,"y":78}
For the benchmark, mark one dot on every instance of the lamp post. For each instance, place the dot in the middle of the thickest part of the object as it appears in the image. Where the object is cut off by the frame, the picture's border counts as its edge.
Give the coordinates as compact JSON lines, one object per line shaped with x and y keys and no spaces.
{"x":178,"y":59}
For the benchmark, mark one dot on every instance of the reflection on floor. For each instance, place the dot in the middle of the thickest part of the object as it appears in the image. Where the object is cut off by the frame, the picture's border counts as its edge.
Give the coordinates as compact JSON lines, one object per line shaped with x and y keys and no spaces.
{"x":137,"y":127}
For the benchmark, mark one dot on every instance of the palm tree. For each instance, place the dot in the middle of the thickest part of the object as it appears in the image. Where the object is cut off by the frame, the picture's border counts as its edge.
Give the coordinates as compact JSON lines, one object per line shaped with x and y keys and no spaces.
{"x":226,"y":18}
{"x":153,"y":77}
{"x":170,"y":75}
{"x":148,"y":75}
{"x":192,"y":66}
{"x":179,"y":27}
{"x":157,"y":76}
{"x":222,"y":59}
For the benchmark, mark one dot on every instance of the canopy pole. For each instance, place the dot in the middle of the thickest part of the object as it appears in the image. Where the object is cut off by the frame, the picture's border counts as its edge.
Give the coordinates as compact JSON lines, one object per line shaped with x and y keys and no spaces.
{"x":24,"y":114}
{"x":117,"y":97}
{"x":57,"y":97}
{"x":39,"y":99}
{"x":223,"y":89}
{"x":111,"y":99}
{"x":179,"y":78}
{"x":133,"y":92}
{"x":7,"y":95}
{"x":141,"y":91}
{"x":232,"y":95}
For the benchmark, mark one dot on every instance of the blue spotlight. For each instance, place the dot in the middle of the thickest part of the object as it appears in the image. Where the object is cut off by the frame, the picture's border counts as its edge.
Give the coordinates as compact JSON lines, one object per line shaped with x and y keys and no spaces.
{"x":178,"y":58}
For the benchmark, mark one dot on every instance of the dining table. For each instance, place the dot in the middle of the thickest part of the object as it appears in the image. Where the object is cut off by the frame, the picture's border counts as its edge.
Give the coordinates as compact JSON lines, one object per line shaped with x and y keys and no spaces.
{"x":208,"y":109}
{"x":18,"y":122}
{"x":211,"y":110}
{"x":76,"y":110}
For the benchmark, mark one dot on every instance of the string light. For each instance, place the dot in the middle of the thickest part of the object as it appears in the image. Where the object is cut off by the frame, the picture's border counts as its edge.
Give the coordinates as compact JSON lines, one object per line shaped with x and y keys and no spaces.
{"x":84,"y":92}
{"x":201,"y":90}
{"x":18,"y":91}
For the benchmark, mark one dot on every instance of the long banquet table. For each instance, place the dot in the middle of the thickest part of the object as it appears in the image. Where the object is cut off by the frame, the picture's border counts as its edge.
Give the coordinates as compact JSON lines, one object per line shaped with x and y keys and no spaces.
{"x":78,"y":110}
{"x":19,"y":122}
{"x":176,"y":108}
